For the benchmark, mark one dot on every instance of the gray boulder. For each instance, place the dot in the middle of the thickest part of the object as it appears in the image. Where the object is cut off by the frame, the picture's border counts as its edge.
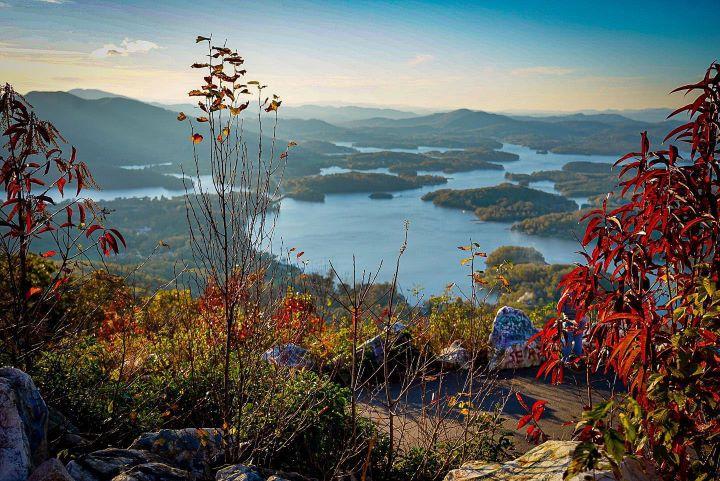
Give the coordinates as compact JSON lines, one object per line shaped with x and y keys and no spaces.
{"x":15,"y":454}
{"x":154,"y":472}
{"x":105,"y":464}
{"x":51,"y":470}
{"x":197,"y":450}
{"x":374,"y":348}
{"x":32,"y":411}
{"x":510,"y":340}
{"x":238,"y":472}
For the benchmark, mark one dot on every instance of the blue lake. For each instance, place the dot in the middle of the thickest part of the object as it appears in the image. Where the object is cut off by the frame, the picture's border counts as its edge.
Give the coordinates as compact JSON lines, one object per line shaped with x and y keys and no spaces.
{"x":373,"y":230}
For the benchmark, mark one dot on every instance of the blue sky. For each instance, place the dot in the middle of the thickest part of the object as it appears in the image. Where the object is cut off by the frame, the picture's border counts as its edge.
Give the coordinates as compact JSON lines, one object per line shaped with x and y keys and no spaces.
{"x":492,"y":55}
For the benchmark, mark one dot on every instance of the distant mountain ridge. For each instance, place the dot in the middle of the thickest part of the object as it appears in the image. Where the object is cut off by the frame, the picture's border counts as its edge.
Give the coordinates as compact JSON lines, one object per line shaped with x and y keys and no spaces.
{"x":342,"y":114}
{"x":94,"y":94}
{"x":353,"y":113}
{"x":115,"y":130}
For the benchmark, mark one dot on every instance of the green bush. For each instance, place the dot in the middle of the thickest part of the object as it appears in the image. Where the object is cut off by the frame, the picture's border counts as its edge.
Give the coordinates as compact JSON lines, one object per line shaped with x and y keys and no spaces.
{"x":514,"y":255}
{"x":82,"y":381}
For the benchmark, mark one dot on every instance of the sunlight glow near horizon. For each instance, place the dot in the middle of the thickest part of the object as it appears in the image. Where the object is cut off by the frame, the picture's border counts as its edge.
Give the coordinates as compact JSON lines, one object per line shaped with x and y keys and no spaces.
{"x":490,"y":55}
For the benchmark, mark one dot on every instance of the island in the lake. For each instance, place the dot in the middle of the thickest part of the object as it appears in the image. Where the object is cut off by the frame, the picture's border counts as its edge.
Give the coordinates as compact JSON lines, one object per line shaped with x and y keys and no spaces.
{"x":381,"y":195}
{"x":313,"y":188}
{"x":576,"y":179}
{"x":448,"y":162}
{"x":504,"y":203}
{"x":562,"y":225}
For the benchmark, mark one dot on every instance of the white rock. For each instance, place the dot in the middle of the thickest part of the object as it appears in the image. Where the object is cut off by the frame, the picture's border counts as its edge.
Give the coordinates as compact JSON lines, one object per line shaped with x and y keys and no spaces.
{"x":547,"y":462}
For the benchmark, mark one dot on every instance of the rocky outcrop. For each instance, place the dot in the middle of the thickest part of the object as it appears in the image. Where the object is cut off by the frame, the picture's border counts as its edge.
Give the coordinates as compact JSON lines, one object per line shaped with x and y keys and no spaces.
{"x":195,"y":450}
{"x":105,"y":464}
{"x":23,"y":425}
{"x":15,"y":462}
{"x":242,"y":472}
{"x":547,"y":462}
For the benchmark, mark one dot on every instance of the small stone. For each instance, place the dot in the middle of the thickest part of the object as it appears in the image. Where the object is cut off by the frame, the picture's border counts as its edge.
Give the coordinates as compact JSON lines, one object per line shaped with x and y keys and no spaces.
{"x":154,"y":472}
{"x":454,"y":356}
{"x":288,"y":355}
{"x":238,"y":472}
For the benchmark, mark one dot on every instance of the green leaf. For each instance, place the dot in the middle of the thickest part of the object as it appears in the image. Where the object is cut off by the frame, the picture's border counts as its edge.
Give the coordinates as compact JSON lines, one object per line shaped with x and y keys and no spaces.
{"x":599,"y":411}
{"x":585,"y":457}
{"x":614,"y":445}
{"x":628,"y":427}
{"x":709,"y":286}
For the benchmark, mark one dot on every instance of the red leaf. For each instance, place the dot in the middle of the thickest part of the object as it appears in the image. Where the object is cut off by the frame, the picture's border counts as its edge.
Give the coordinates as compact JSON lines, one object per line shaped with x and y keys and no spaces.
{"x":524,"y":420}
{"x":32,"y":291}
{"x":522,"y":401}
{"x":111,"y":241}
{"x":61,"y":185}
{"x":48,"y":254}
{"x":119,"y":236}
{"x":92,"y":229}
{"x":538,"y":409}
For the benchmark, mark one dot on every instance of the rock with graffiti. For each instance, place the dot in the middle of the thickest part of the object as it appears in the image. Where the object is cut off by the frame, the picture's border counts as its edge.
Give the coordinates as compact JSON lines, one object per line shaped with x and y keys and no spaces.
{"x":509,"y":340}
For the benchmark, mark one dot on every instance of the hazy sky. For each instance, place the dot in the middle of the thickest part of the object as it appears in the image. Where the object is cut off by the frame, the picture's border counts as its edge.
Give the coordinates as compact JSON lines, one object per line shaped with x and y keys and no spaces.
{"x":492,"y":55}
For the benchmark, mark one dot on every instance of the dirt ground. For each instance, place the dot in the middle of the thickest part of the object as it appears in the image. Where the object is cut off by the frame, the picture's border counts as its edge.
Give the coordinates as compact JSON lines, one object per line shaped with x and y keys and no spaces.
{"x":416,"y":413}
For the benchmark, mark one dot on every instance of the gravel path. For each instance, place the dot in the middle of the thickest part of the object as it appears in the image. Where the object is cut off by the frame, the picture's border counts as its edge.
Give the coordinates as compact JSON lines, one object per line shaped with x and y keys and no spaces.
{"x":415,"y":417}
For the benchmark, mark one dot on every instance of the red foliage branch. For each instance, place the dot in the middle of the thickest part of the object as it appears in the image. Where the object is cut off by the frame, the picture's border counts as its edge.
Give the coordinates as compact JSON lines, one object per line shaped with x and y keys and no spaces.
{"x":639,"y":284}
{"x":32,"y":167}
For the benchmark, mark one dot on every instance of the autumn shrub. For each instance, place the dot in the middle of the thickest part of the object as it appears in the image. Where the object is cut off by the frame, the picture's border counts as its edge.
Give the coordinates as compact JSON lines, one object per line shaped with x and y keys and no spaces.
{"x":525,"y":286}
{"x":649,"y":288}
{"x":418,"y":463}
{"x":297,"y":425}
{"x":333,"y":344}
{"x":452,"y":318}
{"x":486,"y":440}
{"x":34,"y":169}
{"x":86,"y":385}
